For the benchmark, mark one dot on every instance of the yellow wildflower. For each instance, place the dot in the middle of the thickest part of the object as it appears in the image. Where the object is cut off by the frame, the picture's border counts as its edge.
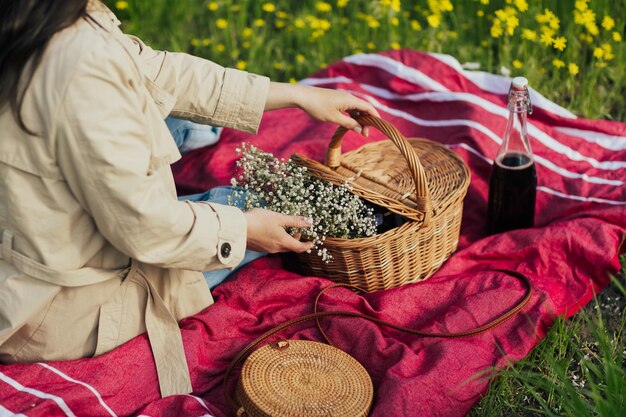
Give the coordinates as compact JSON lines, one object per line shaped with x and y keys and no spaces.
{"x":293,"y":81}
{"x":206,"y":42}
{"x":608,"y":23}
{"x":572,"y":68}
{"x":485,"y":2}
{"x":371,"y":45}
{"x":373,"y":23}
{"x":601,"y":64}
{"x":213,"y":6}
{"x":280,"y":24}
{"x":555,"y":23}
{"x":268,"y":7}
{"x":584,"y":17}
{"x":247,"y":32}
{"x":480,"y":13}
{"x":121,"y":5}
{"x":496,"y":29}
{"x":586,"y":38}
{"x":446,"y":5}
{"x":433,"y":20}
{"x":299,"y":23}
{"x":608,"y":51}
{"x":393,"y":4}
{"x":395,"y":21}
{"x":592,"y":28}
{"x":617,"y":37}
{"x":357,"y":51}
{"x":522,"y":5}
{"x":581,"y":5}
{"x":560,"y":43}
{"x":320,"y":24}
{"x":394,"y":45}
{"x":300,"y":58}
{"x":517,"y":64}
{"x":598,"y":53}
{"x":259,"y":23}
{"x":547,"y":39}
{"x":558,"y":63}
{"x":195,"y":42}
{"x":245,"y":45}
{"x":484,"y":44}
{"x":531,"y":35}
{"x":221,"y":23}
{"x":415,"y":25}
{"x":547,"y":30}
{"x":220,"y":47}
{"x":316,"y":34}
{"x":279,"y":65}
{"x":242,"y":65}
{"x":342,"y":3}
{"x":323,"y":7}
{"x":511,"y":23}
{"x":281,"y":15}
{"x":545,"y":17}
{"x":501,"y":14}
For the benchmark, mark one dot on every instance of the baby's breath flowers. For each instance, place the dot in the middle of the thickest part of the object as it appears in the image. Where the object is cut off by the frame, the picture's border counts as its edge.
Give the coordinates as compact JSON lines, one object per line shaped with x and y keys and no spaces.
{"x":285,"y":187}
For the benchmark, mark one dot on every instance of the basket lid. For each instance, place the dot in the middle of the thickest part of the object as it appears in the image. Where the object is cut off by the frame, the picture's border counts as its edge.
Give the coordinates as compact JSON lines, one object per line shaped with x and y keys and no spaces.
{"x":300,"y":378}
{"x":416,"y":178}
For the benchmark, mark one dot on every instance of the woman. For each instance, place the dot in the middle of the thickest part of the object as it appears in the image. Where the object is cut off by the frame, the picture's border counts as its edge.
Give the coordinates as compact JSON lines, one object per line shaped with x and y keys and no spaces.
{"x":96,"y":248}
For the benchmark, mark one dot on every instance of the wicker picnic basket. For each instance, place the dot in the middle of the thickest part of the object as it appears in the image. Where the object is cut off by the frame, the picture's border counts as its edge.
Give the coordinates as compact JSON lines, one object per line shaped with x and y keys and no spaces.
{"x":418,"y":179}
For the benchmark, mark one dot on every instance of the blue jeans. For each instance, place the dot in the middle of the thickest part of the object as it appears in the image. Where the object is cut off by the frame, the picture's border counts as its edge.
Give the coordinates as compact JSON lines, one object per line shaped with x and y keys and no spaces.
{"x":189,"y":136}
{"x":183,"y":131}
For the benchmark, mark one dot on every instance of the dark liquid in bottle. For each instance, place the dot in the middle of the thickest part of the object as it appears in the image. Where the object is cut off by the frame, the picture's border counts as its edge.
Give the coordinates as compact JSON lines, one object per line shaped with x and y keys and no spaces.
{"x":512,"y":191}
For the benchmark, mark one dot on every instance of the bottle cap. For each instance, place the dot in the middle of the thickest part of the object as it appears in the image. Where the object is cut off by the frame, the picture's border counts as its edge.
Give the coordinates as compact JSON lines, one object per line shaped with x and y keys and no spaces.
{"x":519,"y":83}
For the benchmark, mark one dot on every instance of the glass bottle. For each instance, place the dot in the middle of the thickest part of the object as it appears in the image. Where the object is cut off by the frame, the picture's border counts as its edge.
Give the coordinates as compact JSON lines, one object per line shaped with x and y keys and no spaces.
{"x":513,"y":183}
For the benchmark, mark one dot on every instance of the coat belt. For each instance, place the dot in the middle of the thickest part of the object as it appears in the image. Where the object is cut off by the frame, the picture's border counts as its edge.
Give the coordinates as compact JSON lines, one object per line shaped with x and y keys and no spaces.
{"x":163,"y":331}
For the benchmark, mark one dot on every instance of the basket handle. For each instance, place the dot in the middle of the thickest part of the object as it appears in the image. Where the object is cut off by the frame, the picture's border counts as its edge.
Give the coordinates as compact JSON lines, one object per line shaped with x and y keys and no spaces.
{"x":423,"y":197}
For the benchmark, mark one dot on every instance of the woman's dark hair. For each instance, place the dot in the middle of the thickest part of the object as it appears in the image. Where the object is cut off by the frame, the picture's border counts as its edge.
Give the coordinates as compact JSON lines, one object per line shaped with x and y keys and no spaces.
{"x":26,"y":26}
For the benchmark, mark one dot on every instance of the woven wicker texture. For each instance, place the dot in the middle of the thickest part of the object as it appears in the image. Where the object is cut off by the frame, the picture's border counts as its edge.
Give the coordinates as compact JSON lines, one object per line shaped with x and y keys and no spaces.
{"x":301,"y":379}
{"x":416,"y":178}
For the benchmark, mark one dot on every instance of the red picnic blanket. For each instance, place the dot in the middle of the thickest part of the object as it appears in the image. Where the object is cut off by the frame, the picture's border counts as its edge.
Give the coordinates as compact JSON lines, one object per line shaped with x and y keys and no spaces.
{"x":580,"y":224}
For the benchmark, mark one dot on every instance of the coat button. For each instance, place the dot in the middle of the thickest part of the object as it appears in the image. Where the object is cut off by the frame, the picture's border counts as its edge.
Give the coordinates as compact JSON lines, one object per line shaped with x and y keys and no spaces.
{"x":225,"y":250}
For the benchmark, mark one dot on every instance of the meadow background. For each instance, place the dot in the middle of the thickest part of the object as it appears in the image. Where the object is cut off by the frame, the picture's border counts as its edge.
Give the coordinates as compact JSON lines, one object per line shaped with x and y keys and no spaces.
{"x":572,"y":51}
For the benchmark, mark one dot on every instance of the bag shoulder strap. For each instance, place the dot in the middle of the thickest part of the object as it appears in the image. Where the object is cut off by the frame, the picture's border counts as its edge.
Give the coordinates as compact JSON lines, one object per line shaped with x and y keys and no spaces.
{"x":317,"y":315}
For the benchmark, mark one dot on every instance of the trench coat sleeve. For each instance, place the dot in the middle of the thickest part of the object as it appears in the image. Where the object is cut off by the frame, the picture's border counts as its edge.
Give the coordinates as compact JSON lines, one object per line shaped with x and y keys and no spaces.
{"x":104,"y":152}
{"x":206,"y":92}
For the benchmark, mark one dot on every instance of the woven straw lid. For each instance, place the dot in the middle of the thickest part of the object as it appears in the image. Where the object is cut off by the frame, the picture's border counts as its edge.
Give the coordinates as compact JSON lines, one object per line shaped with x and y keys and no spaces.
{"x":416,"y":178}
{"x":302,"y":378}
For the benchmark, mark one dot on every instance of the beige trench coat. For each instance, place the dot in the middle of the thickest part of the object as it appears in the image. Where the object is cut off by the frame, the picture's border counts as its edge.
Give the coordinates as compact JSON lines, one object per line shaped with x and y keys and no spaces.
{"x":96,"y":248}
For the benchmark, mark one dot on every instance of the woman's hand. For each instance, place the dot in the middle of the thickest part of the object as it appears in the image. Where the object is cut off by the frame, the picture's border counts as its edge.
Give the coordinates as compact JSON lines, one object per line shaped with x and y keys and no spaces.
{"x":266,"y":231}
{"x":322,"y":104}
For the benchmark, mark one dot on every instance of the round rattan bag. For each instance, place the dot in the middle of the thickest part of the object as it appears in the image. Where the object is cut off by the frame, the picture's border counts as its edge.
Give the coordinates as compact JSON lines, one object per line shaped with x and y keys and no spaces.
{"x":300,"y":378}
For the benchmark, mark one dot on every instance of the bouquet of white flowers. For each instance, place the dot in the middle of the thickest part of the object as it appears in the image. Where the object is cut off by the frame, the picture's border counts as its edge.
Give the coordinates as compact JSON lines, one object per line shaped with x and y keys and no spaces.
{"x":284,"y":187}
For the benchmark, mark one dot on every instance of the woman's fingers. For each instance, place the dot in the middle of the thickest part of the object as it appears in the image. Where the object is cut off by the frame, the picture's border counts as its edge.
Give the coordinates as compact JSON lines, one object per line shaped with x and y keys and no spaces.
{"x":266,"y":231}
{"x":299,"y":222}
{"x":294,"y":245}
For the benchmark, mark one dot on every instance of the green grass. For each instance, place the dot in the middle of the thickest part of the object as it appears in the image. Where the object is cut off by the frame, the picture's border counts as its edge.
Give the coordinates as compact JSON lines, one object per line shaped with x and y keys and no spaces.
{"x":289,"y":40}
{"x":578,"y":369}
